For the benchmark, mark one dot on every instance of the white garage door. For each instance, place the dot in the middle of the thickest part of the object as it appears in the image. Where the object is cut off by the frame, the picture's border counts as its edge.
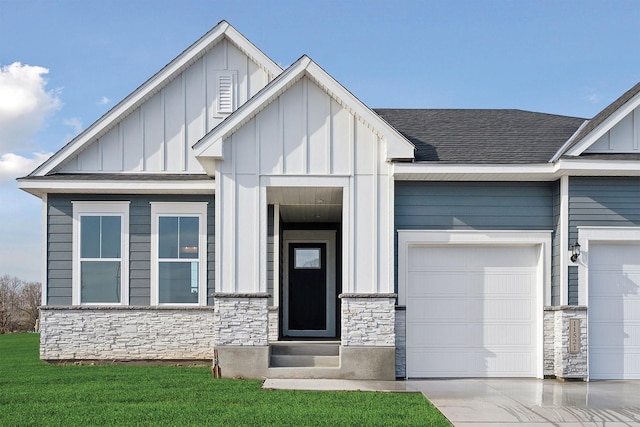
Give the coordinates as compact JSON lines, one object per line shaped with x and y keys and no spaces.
{"x":471,"y":311}
{"x":614,"y":311}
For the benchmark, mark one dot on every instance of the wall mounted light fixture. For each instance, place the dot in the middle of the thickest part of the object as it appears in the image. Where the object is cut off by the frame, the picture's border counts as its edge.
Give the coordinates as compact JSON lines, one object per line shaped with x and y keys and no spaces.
{"x":575,"y":251}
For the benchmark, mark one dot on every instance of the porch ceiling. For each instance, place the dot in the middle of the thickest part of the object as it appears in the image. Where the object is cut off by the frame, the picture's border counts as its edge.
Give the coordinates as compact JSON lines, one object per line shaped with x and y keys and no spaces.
{"x":307,"y":204}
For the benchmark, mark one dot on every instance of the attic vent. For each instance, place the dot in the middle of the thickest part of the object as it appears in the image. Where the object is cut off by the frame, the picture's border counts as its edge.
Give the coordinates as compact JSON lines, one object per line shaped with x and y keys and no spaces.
{"x":226,"y":92}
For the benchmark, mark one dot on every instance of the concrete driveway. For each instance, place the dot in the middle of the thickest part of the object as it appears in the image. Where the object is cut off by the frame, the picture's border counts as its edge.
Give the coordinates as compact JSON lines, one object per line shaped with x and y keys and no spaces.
{"x":530,"y":402}
{"x":508,"y":402}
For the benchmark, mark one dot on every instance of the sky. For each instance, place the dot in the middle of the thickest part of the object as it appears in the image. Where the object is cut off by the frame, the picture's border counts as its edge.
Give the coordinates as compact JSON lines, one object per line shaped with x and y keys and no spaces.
{"x":65,"y":63}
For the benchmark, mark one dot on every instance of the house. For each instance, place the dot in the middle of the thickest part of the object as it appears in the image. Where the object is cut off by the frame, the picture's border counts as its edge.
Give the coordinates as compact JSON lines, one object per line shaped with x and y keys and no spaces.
{"x":269,"y":214}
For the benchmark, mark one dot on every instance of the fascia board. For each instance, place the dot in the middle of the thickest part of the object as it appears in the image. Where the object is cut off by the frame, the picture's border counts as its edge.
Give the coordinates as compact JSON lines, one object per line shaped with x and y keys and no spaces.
{"x":604,"y":127}
{"x":532,"y":172}
{"x":155,"y":83}
{"x":38,"y":187}
{"x":509,"y":172}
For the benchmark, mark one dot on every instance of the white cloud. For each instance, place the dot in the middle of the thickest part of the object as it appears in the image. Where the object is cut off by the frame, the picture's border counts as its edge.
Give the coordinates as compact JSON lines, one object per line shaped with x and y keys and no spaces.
{"x":593,"y":98}
{"x":104,"y":101}
{"x":74,"y":123}
{"x":13,"y":166}
{"x":25,"y":104}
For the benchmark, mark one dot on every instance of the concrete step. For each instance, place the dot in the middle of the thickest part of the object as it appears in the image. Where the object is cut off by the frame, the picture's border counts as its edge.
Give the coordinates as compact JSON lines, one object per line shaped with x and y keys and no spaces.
{"x":306,"y":348}
{"x":303,"y":361}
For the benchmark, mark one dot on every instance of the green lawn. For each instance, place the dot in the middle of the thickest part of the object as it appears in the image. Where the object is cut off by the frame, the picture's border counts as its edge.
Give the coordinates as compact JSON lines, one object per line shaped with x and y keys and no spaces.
{"x":34,"y":393}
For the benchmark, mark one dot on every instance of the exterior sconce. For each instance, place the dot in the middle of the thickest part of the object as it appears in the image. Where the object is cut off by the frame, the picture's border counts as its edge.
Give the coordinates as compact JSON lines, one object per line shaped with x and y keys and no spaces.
{"x":575,"y":251}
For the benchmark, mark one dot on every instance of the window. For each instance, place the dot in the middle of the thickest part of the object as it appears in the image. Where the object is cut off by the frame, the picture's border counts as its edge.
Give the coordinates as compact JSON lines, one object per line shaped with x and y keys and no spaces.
{"x":225,"y":92}
{"x":178,"y":245}
{"x":100,"y":253}
{"x":307,"y":258}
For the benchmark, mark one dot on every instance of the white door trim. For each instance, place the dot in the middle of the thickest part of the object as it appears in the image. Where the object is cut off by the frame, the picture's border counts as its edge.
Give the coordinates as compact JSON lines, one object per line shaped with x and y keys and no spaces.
{"x":327,"y":237}
{"x":409,"y":238}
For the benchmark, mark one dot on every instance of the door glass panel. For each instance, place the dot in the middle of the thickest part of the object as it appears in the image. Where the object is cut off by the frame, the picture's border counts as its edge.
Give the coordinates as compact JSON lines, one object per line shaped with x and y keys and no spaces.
{"x":307,"y":258}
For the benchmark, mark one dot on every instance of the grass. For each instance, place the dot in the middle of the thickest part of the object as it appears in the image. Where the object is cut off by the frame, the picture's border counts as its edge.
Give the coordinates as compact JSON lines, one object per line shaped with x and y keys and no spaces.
{"x":33,"y":393}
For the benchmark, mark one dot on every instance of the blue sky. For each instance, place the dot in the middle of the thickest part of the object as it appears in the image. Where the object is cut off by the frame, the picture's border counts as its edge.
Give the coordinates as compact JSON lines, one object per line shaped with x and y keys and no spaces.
{"x":74,"y":60}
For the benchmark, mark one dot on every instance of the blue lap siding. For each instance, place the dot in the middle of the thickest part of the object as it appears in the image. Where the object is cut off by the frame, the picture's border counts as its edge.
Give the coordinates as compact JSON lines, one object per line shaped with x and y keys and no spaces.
{"x":473,"y":206}
{"x":59,"y":244}
{"x":602,"y":202}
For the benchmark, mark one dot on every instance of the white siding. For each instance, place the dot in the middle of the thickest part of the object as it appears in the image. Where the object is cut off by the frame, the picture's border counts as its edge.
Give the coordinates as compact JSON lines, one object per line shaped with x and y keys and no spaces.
{"x":304,"y":138}
{"x":624,"y":137}
{"x":158,"y":136}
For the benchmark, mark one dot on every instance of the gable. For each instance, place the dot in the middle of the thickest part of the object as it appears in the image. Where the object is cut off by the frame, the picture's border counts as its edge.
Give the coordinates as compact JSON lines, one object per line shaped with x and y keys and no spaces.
{"x":612,"y":131}
{"x":310,"y":116}
{"x":623,"y":137}
{"x":152,"y":129}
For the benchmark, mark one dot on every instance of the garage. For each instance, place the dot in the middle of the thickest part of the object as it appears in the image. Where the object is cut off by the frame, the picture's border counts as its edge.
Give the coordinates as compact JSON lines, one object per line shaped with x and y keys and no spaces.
{"x":472,"y":310}
{"x":614,"y":310}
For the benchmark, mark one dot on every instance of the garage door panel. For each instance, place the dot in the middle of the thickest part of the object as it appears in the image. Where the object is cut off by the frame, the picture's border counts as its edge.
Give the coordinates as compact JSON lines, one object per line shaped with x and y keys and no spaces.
{"x":507,"y":310}
{"x":442,"y":309}
{"x":614,"y":310}
{"x":428,"y":283}
{"x":508,"y":282}
{"x":474,"y":316}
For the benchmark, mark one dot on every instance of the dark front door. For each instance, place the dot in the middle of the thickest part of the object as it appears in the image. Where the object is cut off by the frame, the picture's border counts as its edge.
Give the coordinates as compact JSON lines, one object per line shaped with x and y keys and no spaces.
{"x":307,"y":286}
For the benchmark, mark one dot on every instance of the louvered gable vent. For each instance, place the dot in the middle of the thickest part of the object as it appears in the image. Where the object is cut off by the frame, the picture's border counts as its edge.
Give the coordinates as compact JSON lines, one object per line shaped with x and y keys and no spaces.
{"x":226,"y":92}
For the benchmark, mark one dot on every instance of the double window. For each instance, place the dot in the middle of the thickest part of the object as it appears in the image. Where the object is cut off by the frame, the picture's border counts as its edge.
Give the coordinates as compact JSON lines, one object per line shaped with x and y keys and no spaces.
{"x":100,"y":249}
{"x":178,"y":248}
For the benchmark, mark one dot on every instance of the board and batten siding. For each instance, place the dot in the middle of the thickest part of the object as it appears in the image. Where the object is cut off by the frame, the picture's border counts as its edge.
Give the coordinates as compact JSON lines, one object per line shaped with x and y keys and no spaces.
{"x":624,"y":137}
{"x":158,"y":135}
{"x":472,"y":206}
{"x":301,"y":138}
{"x":59,"y":244}
{"x":602,"y":202}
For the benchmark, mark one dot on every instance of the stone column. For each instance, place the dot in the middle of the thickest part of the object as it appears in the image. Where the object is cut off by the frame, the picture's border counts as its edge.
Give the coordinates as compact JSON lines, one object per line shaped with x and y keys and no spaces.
{"x":368,"y":334}
{"x":401,"y":341}
{"x":241,"y":334}
{"x":570,"y":353}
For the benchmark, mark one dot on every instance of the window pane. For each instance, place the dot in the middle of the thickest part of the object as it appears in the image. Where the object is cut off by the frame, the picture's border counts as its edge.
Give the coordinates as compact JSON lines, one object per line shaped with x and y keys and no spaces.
{"x":189,"y":237}
{"x":90,"y":237}
{"x":100,"y":281}
{"x":111,"y":234}
{"x":178,"y":282}
{"x":168,"y":237}
{"x":307,"y":258}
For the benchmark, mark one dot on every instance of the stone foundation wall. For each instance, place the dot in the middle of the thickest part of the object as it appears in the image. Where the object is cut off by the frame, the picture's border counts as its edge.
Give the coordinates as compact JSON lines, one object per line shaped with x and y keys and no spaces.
{"x":565,"y":364}
{"x":241,"y":319}
{"x":273,"y":324}
{"x":368,"y":320}
{"x":401,"y":342}
{"x":126,"y":333}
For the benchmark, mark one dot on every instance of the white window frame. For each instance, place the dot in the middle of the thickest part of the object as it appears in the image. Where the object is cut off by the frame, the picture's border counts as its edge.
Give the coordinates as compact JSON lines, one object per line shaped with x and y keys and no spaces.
{"x":190,"y":209}
{"x":103,"y":208}
{"x":233,"y":75}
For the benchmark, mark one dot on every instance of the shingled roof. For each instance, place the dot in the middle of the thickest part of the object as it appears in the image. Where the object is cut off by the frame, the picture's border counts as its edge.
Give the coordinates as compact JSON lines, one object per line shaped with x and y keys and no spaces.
{"x":482,"y":136}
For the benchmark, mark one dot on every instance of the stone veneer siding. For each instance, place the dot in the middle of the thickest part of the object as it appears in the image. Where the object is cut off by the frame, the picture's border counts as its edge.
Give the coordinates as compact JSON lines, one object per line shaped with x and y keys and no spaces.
{"x":565,"y":364}
{"x":401,"y":342}
{"x":126,"y":333}
{"x":273,"y":324}
{"x":368,"y":320}
{"x":241,"y":319}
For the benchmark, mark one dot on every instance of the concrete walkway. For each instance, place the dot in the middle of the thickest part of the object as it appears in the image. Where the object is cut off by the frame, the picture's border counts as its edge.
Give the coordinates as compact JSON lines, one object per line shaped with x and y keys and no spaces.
{"x":506,"y":402}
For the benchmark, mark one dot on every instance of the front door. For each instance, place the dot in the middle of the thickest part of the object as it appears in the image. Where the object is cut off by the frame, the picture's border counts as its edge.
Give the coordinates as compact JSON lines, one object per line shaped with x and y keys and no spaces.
{"x":309,"y":284}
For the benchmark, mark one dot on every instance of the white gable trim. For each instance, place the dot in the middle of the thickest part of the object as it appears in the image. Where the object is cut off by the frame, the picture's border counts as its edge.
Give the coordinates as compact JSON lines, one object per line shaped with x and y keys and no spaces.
{"x":210,"y":146}
{"x":156,"y":83}
{"x":604,"y":127}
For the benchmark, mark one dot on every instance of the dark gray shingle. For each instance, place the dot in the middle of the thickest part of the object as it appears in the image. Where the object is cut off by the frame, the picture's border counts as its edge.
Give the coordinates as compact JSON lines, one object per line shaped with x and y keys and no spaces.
{"x":482,"y":136}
